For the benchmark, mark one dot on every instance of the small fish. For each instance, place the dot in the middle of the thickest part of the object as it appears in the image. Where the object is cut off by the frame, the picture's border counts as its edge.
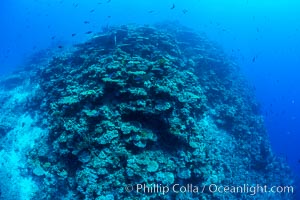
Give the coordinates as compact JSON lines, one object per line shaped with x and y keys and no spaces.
{"x":184,"y":11}
{"x":108,"y":16}
{"x":73,"y":34}
{"x":88,"y":32}
{"x":257,"y":29}
{"x":53,"y":37}
{"x":150,"y":11}
{"x":173,"y":6}
{"x":108,"y":1}
{"x":112,"y":75}
{"x":75,"y":5}
{"x":93,"y":10}
{"x":254,"y":59}
{"x":138,"y":79}
{"x":60,"y":46}
{"x":86,"y":22}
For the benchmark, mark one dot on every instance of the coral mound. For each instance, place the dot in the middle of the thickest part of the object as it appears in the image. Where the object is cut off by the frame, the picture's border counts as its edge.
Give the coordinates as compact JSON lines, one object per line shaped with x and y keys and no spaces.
{"x":148,"y":105}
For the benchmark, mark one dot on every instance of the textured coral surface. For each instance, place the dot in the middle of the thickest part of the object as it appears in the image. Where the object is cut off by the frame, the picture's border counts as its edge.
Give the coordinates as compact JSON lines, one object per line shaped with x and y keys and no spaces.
{"x":146,"y":105}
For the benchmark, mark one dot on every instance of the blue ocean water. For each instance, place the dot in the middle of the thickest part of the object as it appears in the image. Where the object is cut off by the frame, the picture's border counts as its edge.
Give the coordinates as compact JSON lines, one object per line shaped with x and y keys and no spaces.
{"x":261,"y":36}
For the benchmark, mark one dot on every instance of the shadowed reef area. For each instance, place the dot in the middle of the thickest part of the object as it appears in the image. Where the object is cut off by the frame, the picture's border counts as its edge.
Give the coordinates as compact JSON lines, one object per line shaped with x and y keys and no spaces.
{"x":155,"y":105}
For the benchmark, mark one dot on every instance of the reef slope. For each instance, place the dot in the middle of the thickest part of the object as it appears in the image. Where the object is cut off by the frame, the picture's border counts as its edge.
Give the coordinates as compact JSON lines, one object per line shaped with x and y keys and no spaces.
{"x":148,"y":105}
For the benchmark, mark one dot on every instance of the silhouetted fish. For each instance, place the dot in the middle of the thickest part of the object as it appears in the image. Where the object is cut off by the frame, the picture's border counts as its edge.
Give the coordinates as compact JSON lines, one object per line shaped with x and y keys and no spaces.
{"x":173,"y":6}
{"x":254,"y":59}
{"x":86,"y":22}
{"x":75,"y":5}
{"x":60,"y":46}
{"x":184,"y":11}
{"x":93,"y":10}
{"x":266,"y":113}
{"x":108,"y":1}
{"x":73,"y":34}
{"x":88,"y":32}
{"x":53,"y":37}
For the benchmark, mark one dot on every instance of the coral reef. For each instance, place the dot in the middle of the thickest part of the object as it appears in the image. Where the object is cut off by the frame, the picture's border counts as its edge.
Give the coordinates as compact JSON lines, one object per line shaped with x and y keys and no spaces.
{"x":148,"y":105}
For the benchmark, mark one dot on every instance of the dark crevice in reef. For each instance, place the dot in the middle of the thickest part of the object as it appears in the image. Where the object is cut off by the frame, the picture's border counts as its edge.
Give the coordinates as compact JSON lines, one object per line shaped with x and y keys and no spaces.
{"x":166,"y":140}
{"x":148,"y":105}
